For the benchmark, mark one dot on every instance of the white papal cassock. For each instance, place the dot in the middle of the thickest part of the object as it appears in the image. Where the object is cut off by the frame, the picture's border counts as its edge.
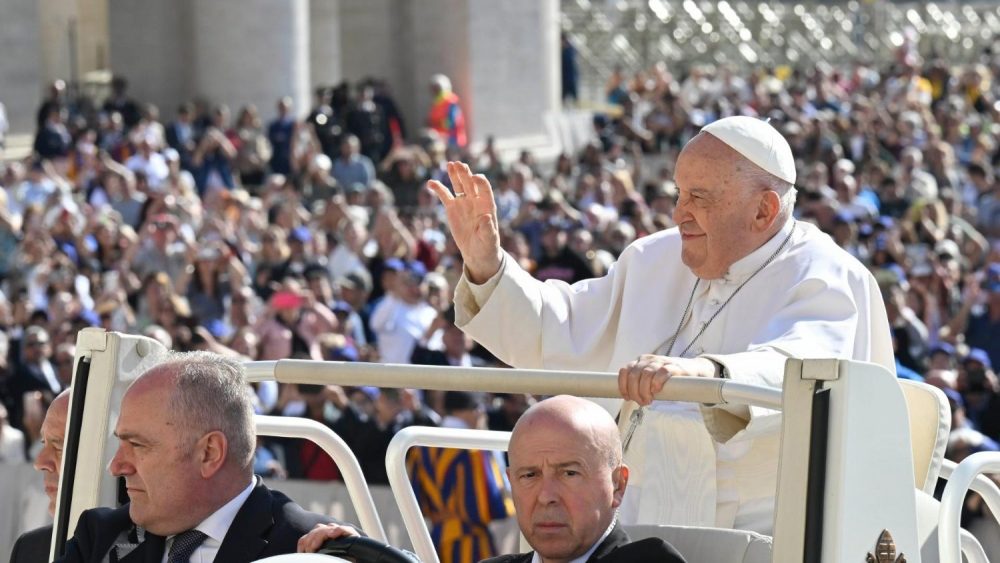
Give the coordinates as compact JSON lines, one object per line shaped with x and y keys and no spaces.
{"x":691,"y":465}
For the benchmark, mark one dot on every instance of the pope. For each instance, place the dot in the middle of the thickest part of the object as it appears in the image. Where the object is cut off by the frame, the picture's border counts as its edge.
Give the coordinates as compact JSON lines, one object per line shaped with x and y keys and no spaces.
{"x":736,"y":288}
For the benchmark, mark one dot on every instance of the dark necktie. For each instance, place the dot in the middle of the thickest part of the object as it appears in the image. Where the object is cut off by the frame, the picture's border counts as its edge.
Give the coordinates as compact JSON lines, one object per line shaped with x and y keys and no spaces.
{"x":184,"y":545}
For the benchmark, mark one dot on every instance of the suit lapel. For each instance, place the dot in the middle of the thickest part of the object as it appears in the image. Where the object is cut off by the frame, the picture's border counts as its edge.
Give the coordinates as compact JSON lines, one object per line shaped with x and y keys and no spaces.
{"x":245,"y":539}
{"x":616,"y":538}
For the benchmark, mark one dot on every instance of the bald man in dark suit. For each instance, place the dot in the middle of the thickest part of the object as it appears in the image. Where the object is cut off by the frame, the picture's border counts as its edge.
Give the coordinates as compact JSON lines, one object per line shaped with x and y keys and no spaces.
{"x":568,"y":479}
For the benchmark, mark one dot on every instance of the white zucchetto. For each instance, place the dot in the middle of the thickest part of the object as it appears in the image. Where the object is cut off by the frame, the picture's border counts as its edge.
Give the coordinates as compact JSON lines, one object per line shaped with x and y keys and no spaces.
{"x":758,"y":142}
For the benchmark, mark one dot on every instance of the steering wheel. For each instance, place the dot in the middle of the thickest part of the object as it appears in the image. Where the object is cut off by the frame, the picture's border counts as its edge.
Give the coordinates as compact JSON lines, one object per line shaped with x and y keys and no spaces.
{"x":366,"y":550}
{"x":302,"y":558}
{"x":359,"y":549}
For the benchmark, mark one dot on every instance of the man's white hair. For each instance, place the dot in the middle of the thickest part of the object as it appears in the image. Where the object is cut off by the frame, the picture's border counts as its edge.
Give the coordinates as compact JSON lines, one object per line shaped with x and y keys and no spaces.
{"x":442,"y":82}
{"x":760,"y":178}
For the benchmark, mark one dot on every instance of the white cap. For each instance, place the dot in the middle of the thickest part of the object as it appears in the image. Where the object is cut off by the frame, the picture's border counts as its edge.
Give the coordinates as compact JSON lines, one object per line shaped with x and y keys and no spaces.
{"x":758,"y":142}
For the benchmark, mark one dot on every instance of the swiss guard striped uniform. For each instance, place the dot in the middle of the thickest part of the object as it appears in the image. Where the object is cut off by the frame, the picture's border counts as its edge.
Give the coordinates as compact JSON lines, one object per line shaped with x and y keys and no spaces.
{"x":461,"y":492}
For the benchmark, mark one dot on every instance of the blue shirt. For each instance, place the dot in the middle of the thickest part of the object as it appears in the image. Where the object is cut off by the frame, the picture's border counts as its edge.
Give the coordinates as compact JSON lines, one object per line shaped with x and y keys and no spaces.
{"x":904,"y":372}
{"x":984,"y":333}
{"x":356,"y":170}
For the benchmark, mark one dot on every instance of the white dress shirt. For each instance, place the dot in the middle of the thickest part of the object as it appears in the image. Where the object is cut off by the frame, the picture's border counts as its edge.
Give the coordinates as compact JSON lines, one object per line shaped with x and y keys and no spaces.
{"x":453,"y":422}
{"x":399,"y":326}
{"x":535,"y":558}
{"x":215,"y":528}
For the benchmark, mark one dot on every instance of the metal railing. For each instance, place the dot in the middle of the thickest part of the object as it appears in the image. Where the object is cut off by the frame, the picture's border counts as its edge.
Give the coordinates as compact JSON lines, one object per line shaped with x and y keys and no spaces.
{"x":336,"y":448}
{"x":499,"y":380}
{"x":961,"y":478}
{"x":395,"y":465}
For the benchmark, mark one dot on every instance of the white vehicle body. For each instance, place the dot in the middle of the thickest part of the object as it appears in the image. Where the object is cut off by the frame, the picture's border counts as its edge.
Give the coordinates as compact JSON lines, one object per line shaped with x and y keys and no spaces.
{"x":848,"y":486}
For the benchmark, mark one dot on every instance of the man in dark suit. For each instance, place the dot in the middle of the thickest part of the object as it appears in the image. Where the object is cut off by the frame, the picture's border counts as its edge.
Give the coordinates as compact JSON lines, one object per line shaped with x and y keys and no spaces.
{"x":181,"y":134}
{"x":267,"y":524}
{"x":186,"y":443}
{"x":33,"y":371}
{"x":568,"y":479}
{"x":33,"y":546}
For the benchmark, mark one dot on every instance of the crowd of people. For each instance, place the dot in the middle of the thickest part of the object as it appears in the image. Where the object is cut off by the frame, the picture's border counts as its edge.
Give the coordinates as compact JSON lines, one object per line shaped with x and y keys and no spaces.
{"x":318,"y":238}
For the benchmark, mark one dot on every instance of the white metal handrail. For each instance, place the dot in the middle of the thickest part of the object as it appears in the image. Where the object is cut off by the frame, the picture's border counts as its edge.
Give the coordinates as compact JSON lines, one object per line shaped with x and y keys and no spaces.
{"x":395,"y":465}
{"x":500,"y":380}
{"x":981,"y":484}
{"x":961,"y":478}
{"x":336,"y":448}
{"x":972,"y":550}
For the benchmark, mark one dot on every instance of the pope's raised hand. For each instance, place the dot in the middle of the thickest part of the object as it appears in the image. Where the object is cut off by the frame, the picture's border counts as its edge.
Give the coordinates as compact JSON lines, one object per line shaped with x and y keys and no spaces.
{"x":472,"y":217}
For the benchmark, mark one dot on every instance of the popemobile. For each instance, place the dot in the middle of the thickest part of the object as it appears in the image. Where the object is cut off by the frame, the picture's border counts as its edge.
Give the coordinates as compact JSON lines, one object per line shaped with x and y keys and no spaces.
{"x":861,"y":453}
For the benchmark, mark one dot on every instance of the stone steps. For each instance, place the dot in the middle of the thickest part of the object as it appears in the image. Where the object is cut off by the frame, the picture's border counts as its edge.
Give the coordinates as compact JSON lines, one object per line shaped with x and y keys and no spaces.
{"x":635,"y":34}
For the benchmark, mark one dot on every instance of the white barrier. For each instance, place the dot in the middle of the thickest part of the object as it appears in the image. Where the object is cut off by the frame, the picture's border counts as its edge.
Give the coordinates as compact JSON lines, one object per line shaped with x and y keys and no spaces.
{"x":395,"y":465}
{"x":960,"y":481}
{"x":23,"y":507}
{"x":335,"y":447}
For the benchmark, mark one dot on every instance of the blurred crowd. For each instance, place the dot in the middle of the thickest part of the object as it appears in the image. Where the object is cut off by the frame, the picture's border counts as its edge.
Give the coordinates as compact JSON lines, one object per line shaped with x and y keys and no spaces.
{"x":317,"y":238}
{"x":305,"y":238}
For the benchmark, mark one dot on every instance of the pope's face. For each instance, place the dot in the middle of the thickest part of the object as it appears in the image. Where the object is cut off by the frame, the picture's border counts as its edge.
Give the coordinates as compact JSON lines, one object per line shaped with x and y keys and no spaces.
{"x":716,"y":206}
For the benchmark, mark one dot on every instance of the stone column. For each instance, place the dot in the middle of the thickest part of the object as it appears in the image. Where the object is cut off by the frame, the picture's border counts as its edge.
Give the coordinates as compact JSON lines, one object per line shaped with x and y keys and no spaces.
{"x":252,"y":51}
{"x":513,"y":61}
{"x":59,"y":29}
{"x":441,"y":43}
{"x":74,"y":38}
{"x":324,"y":43}
{"x":502,"y":58}
{"x":372,"y":43}
{"x":377,"y":41}
{"x":151,"y":46}
{"x":20,"y":66}
{"x":367,"y":37}
{"x":92,"y":35}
